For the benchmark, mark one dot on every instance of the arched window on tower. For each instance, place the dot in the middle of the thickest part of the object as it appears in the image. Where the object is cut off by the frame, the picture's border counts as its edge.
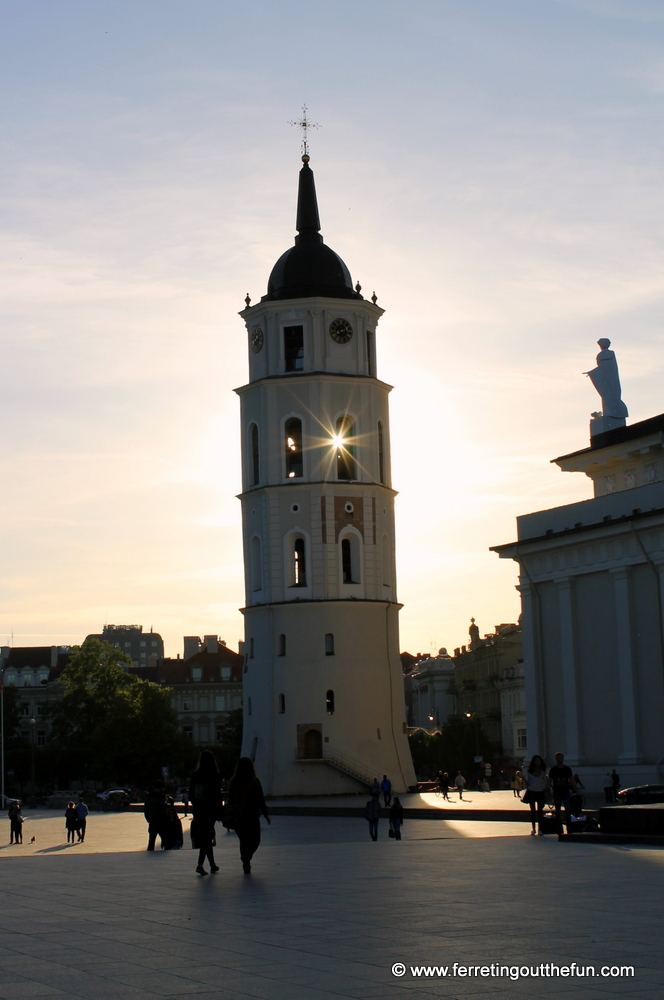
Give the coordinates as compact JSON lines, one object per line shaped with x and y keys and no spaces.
{"x":381,"y":453}
{"x":329,"y":702}
{"x":329,"y":644}
{"x":281,"y":645}
{"x":256,"y":564}
{"x":255,"y":456}
{"x":293,"y":445}
{"x":345,"y":434}
{"x":350,"y":559}
{"x":299,"y":563}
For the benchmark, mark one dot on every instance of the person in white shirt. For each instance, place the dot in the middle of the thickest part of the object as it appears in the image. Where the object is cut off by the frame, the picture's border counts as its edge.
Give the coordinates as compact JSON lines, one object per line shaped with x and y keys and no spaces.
{"x":537,"y":786}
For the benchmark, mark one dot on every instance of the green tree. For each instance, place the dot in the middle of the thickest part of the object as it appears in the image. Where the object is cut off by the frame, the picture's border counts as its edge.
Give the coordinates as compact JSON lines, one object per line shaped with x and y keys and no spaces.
{"x":113,"y":726}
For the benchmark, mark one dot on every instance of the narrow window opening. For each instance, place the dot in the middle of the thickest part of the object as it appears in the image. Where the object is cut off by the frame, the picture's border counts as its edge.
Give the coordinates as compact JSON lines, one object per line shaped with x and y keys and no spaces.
{"x":282,"y":704}
{"x":370,"y":352}
{"x":293,"y":445}
{"x":281,"y":645}
{"x":254,"y":747}
{"x":381,"y":453}
{"x":329,"y":644}
{"x":378,"y":734}
{"x":329,"y":702}
{"x":346,"y":562}
{"x":294,"y":348}
{"x":255,"y":456}
{"x":345,"y":435}
{"x":249,"y":706}
{"x":299,"y":564}
{"x":256,"y":565}
{"x":385,"y":561}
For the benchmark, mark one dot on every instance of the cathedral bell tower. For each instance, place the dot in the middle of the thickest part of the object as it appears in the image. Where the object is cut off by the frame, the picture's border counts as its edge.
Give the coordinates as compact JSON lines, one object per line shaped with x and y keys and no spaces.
{"x":323,"y":684}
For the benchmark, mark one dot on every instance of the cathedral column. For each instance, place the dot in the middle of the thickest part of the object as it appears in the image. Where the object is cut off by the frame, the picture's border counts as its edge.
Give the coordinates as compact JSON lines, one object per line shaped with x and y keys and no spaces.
{"x":628,"y":708}
{"x":572,"y":749}
{"x":532,"y":668}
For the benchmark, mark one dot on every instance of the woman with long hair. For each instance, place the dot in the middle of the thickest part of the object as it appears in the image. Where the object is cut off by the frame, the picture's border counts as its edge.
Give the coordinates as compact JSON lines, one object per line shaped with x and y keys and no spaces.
{"x":537,"y":786}
{"x":246,"y":802}
{"x":205,"y":798}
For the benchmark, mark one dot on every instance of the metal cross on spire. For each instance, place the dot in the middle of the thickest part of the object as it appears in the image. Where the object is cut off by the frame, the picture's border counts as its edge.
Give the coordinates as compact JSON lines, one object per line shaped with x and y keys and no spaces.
{"x":304,"y":124}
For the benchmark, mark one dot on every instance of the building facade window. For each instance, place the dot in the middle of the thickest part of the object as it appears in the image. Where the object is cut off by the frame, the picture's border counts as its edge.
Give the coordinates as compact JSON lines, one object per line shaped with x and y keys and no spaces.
{"x":350,"y":558}
{"x":299,"y":565}
{"x":249,"y":712}
{"x":188,"y":731}
{"x":522,"y":739}
{"x":329,"y":702}
{"x":256,"y":564}
{"x":281,"y":645}
{"x":381,"y":453}
{"x":293,"y":448}
{"x":329,"y":644}
{"x":386,"y":561}
{"x":282,"y":704}
{"x":196,"y":674}
{"x":219,"y":733}
{"x":370,"y":352}
{"x":293,"y":348}
{"x":345,"y":435}
{"x":255,"y":456}
{"x":41,"y":738}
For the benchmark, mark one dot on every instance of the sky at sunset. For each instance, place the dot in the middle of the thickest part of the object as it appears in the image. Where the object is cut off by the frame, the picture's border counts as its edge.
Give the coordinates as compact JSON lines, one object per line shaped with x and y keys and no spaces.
{"x":491,"y":168}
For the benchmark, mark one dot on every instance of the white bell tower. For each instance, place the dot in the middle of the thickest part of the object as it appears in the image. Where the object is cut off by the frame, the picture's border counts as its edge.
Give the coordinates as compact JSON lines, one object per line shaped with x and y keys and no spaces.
{"x":323,"y":684}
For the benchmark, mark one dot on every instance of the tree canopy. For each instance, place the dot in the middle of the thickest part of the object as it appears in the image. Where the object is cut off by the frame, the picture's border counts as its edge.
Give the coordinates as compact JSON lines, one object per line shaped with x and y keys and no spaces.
{"x":113,"y":726}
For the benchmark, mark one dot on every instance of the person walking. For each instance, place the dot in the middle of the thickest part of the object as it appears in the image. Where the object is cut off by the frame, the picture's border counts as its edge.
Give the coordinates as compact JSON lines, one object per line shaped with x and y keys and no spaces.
{"x":372,"y":815}
{"x":537,"y":787}
{"x":396,"y":818}
{"x":386,"y":788}
{"x":444,"y":784}
{"x":154,"y":810}
{"x":81,"y":819}
{"x":71,"y":822}
{"x":206,"y":807}
{"x":246,"y":803}
{"x":375,"y":787}
{"x":15,"y":823}
{"x":562,"y":784}
{"x":608,"y":788}
{"x":615,"y":777}
{"x":460,"y":783}
{"x":172,"y":837}
{"x":517,"y":785}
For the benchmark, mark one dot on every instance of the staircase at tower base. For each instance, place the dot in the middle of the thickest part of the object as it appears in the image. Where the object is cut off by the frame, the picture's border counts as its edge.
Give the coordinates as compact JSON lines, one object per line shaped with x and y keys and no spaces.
{"x":348,"y":766}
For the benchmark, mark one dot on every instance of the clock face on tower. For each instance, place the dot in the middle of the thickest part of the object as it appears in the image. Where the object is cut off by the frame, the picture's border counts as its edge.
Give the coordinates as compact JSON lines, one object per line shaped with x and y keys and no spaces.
{"x":256,"y":339}
{"x":341,"y":331}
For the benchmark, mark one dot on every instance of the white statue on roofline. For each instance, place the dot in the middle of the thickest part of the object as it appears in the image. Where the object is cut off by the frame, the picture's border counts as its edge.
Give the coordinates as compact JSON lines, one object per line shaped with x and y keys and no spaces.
{"x":606,"y":380}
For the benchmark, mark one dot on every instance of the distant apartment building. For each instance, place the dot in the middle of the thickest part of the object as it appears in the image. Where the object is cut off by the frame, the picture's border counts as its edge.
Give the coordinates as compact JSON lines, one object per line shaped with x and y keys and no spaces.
{"x":141,"y":646}
{"x":206,"y":683}
{"x":207,"y":686}
{"x":34,"y":670}
{"x":490,"y":684}
{"x":432,"y":691}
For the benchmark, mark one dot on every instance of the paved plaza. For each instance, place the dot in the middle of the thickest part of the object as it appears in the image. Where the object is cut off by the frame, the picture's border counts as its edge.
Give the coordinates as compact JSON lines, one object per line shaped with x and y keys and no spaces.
{"x":325,"y":914}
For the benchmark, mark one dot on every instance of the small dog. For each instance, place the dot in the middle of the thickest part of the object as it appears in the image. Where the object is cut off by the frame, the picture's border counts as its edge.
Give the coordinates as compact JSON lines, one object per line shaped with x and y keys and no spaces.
{"x":33,"y":840}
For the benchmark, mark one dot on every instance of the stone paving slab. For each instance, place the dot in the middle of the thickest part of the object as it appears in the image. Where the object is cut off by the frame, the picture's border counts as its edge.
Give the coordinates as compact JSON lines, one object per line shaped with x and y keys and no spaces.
{"x":325,"y":915}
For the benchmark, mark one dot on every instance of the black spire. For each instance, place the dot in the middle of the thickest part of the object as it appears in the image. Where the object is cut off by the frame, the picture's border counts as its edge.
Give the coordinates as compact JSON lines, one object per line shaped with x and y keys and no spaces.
{"x":308,"y":221}
{"x":309,"y":268}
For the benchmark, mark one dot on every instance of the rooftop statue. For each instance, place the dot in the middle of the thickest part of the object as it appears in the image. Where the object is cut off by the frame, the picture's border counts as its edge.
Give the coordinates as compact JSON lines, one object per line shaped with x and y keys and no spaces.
{"x":606,"y":380}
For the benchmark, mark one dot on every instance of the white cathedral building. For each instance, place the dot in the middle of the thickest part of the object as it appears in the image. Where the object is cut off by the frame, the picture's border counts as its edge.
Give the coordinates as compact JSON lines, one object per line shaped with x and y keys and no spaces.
{"x":323,"y":684}
{"x":592,"y":585}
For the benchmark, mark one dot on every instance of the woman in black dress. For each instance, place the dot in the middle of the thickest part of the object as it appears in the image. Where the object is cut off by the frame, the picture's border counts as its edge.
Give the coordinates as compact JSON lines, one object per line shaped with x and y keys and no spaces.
{"x":246,"y":802}
{"x":205,"y":798}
